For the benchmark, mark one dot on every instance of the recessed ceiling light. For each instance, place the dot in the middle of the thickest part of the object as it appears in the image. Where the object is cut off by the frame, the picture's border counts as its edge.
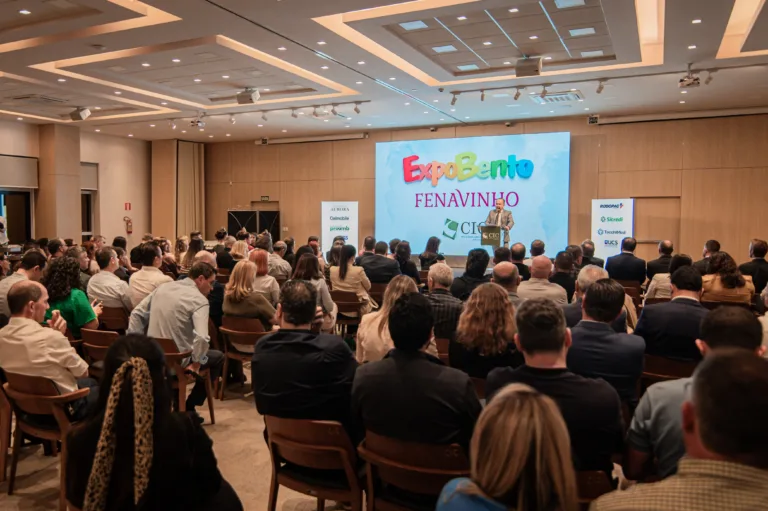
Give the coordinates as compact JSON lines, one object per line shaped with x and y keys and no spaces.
{"x":183,"y":131}
{"x":392,"y":79}
{"x":324,"y":67}
{"x":683,"y":92}
{"x":435,"y":101}
{"x":442,"y":119}
{"x":407,"y":104}
{"x":413,"y":25}
{"x":130,"y":134}
{"x":426,"y":112}
{"x":325,"y":120}
{"x":586,"y":109}
{"x":574,"y":90}
{"x":448,"y":48}
{"x":461,"y":18}
{"x":62,"y":80}
{"x":25,"y":12}
{"x":696,"y":21}
{"x":97,"y":131}
{"x":453,"y":109}
{"x":592,"y":53}
{"x":551,"y":111}
{"x":176,"y":61}
{"x":225,"y":76}
{"x":487,"y":43}
{"x":266,"y":90}
{"x":514,"y":9}
{"x":467,"y":67}
{"x":19,"y":118}
{"x":361,"y":63}
{"x":282,"y":48}
{"x":118,"y":92}
{"x":259,"y":125}
{"x":151,"y":125}
{"x":682,"y":102}
{"x":467,"y":117}
{"x":97,"y":108}
{"x":547,"y":58}
{"x":164,"y":103}
{"x":229,"y":135}
{"x":321,"y":43}
{"x":210,"y":136}
{"x":145,"y":64}
{"x":507,"y":63}
{"x":692,"y":47}
{"x":533,"y":37}
{"x":581,"y":100}
{"x":285,"y":131}
{"x":368,"y":124}
{"x":359,"y":83}
{"x":202,"y":129}
{"x":198,"y":80}
{"x":578,"y":32}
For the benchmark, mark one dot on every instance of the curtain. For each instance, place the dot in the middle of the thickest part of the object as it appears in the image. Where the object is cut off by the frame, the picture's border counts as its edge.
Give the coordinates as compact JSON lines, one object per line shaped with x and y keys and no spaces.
{"x":190,"y":191}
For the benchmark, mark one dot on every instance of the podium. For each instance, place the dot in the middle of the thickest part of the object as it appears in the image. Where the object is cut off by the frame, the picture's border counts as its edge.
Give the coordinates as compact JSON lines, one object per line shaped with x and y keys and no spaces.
{"x":490,"y":235}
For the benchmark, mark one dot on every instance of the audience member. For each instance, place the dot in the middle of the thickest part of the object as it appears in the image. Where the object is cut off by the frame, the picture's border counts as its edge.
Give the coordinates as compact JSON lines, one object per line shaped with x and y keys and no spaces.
{"x":195,"y":245}
{"x":65,"y":294}
{"x":106,"y":287}
{"x":195,"y":235}
{"x":660,"y":285}
{"x":410,"y":395}
{"x":485,"y":333}
{"x":724,"y":424}
{"x":588,"y":251}
{"x":403,"y":258}
{"x":99,"y":242}
{"x":520,"y":434}
{"x":588,"y":275}
{"x":369,"y":244}
{"x":352,"y":279}
{"x":517,"y":257}
{"x":393,"y":243}
{"x":224,"y":259}
{"x":505,"y":275}
{"x":656,"y":431}
{"x":179,"y":248}
{"x":661,"y":265}
{"x":263,"y":283}
{"x":69,"y":242}
{"x":563,"y":276}
{"x":149,"y":277}
{"x":276,"y":265}
{"x":430,"y":255}
{"x":241,"y":300}
{"x":124,"y":268}
{"x":32,"y":264}
{"x":757,"y":268}
{"x":314,"y":244}
{"x":725,"y":283}
{"x":590,"y":407}
{"x":134,"y":449}
{"x":501,"y":254}
{"x":338,"y":241}
{"x":710,"y":247}
{"x":537,"y":249}
{"x":600,"y":352}
{"x":670,"y":329}
{"x":56,"y":248}
{"x":298,"y":374}
{"x":243,"y":235}
{"x":220,"y":236}
{"x":305,"y":249}
{"x":539,"y":286}
{"x":289,"y":255}
{"x":239,"y":251}
{"x":373,"y":340}
{"x":120,"y":242}
{"x":626,"y":266}
{"x":333,"y":260}
{"x":446,"y":308}
{"x":474,"y":274}
{"x":28,"y":348}
{"x":578,"y":257}
{"x":180,"y":312}
{"x":91,"y":267}
{"x":379,"y":268}
{"x":308,"y":268}
{"x":81,"y":256}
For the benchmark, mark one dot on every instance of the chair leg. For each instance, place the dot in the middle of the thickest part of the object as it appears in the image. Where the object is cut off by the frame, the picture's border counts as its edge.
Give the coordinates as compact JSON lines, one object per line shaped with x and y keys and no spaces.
{"x":320,"y":504}
{"x":14,"y":458}
{"x":273,"y":488}
{"x":63,"y":475}
{"x":5,"y":441}
{"x":209,"y":396}
{"x":224,"y":374}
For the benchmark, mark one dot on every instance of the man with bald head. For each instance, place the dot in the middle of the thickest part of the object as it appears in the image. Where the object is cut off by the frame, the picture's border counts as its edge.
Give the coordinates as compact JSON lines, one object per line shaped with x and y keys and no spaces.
{"x":507,"y":276}
{"x":517,"y":256}
{"x":661,"y":265}
{"x":539,"y":285}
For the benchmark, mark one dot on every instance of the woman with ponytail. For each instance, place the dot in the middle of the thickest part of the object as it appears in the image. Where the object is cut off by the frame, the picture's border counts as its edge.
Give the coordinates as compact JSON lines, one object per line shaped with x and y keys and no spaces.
{"x":133,"y":453}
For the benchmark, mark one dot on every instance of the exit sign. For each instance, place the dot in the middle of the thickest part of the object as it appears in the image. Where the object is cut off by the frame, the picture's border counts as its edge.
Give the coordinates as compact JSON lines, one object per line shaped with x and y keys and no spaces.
{"x":265,"y":198}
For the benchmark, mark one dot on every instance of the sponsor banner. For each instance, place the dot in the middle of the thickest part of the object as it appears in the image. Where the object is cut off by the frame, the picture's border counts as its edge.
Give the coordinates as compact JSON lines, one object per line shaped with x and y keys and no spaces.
{"x":612,"y":221}
{"x":447,"y":187}
{"x":338,"y":219}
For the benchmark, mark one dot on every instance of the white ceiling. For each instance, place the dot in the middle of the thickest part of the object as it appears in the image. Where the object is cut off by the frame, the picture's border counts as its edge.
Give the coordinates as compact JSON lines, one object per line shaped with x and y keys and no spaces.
{"x":100,"y":47}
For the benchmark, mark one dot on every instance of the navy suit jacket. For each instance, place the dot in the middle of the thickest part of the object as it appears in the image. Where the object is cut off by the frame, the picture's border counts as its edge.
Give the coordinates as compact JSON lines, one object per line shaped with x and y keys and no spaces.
{"x":599,"y":352}
{"x":670,"y":329}
{"x":572,"y":313}
{"x":660,"y":265}
{"x":758,"y":270}
{"x":379,"y":269}
{"x":626,"y":266}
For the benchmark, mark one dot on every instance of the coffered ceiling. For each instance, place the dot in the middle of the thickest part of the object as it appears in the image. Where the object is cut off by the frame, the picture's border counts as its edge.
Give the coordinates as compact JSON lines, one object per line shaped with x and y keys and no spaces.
{"x":147,"y":68}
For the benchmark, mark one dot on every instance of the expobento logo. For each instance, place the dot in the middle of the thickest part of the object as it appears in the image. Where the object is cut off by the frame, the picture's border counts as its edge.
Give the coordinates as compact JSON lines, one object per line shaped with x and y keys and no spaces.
{"x":452,"y":226}
{"x":465,"y":166}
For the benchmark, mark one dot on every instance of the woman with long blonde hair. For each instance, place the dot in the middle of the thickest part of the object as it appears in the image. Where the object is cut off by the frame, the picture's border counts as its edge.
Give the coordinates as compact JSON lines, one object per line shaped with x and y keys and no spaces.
{"x":239,"y":251}
{"x":485,"y":333}
{"x":241,"y":299}
{"x":520,"y":458}
{"x":373,"y":339}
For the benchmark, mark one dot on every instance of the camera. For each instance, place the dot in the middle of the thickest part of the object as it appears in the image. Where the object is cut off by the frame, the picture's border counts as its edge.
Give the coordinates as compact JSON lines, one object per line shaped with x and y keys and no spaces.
{"x":441,"y":89}
{"x":433,"y":129}
{"x":508,"y":124}
{"x":263,"y":141}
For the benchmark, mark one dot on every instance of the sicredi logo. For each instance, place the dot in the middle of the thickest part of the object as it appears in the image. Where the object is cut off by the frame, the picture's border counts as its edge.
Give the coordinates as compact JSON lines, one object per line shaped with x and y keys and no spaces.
{"x":617,"y":205}
{"x":611,"y":218}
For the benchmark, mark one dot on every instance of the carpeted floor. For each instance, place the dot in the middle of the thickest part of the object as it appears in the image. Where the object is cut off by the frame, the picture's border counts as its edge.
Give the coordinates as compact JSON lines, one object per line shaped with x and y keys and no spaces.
{"x":238,"y":442}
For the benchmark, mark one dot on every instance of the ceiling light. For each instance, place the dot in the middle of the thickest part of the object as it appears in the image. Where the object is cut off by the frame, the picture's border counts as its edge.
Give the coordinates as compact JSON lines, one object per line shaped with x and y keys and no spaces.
{"x":210,"y":136}
{"x":683,"y":92}
{"x":359,"y":83}
{"x":514,"y":9}
{"x":97,"y":130}
{"x":413,"y":25}
{"x":361,"y":63}
{"x":259,"y":125}
{"x":692,"y":47}
{"x":294,"y":114}
{"x":183,"y":131}
{"x":176,"y":61}
{"x":333,"y":110}
{"x":164,"y":103}
{"x":301,"y":113}
{"x":442,"y":119}
{"x":487,"y":43}
{"x":62,"y":80}
{"x":321,"y":43}
{"x":454,"y":99}
{"x":682,"y":102}
{"x":696,"y":21}
{"x":482,"y":95}
{"x":172,"y":124}
{"x":225,"y":76}
{"x":228,"y":135}
{"x":97,"y":108}
{"x":578,"y":32}
{"x":392,"y":79}
{"x":197,"y":80}
{"x":592,"y":54}
{"x":285,"y":131}
{"x":265,"y":90}
{"x":325,"y":120}
{"x":586,"y":109}
{"x":543,"y":93}
{"x":407,"y":104}
{"x":357,"y":108}
{"x":201,"y":129}
{"x":232,"y":119}
{"x":461,"y":18}
{"x":467,"y":117}
{"x":448,"y":48}
{"x":435,"y":101}
{"x":130,"y":134}
{"x":264,"y":117}
{"x":19,"y":118}
{"x":547,"y":58}
{"x":600,"y":87}
{"x":551,"y":111}
{"x":25,"y":12}
{"x":151,"y":125}
{"x":453,"y":109}
{"x":324,"y":67}
{"x":426,"y":112}
{"x":468,"y":67}
{"x":517,"y":94}
{"x":145,"y":64}
{"x":282,"y":48}
{"x":533,"y":37}
{"x":368,"y":125}
{"x":118,"y":92}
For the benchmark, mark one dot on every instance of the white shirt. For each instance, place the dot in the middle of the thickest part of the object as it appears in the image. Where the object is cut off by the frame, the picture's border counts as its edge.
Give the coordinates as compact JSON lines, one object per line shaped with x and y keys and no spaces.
{"x":28,"y":348}
{"x":278,"y":267}
{"x":179,"y":312}
{"x":5,"y":286}
{"x":144,"y":281}
{"x":268,"y":286}
{"x":107,"y":287}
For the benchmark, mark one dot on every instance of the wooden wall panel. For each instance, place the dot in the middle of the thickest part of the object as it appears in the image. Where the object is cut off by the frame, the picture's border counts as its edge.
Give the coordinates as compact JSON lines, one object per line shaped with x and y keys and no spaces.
{"x":270,"y":188}
{"x":640,"y":183}
{"x":585,"y":151}
{"x":300,"y":206}
{"x":576,"y":127}
{"x":242,"y":162}
{"x":363,"y":191}
{"x":424,"y":134}
{"x":266,"y":163}
{"x":218,"y":163}
{"x":164,"y":188}
{"x":656,"y":218}
{"x":487,"y":130}
{"x":728,"y":142}
{"x":642,"y":146}
{"x":217,"y":203}
{"x":354,"y":159}
{"x":305,"y":162}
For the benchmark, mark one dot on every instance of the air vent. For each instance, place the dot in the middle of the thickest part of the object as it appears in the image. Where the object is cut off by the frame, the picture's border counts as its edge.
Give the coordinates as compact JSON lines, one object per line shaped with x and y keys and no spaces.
{"x":557,"y":98}
{"x":39,"y":99}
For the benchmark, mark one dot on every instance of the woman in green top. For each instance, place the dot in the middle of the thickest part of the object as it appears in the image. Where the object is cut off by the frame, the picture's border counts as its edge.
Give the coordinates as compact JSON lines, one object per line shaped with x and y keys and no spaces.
{"x":62,"y":280}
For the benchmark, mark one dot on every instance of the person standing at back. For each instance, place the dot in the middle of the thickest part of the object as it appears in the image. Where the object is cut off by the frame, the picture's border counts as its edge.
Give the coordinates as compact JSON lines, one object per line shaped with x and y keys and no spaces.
{"x":474,"y":274}
{"x":379,"y":268}
{"x":626,"y":266}
{"x":757,"y":268}
{"x":711,"y":247}
{"x":661,"y":265}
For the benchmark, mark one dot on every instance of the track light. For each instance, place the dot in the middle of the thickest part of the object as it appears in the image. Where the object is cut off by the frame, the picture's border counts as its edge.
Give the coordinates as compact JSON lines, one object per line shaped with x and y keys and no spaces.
{"x":708,"y":80}
{"x":264,"y":116}
{"x":455,"y":98}
{"x":294,"y":114}
{"x":543,"y":92}
{"x":600,"y":87}
{"x":517,"y":95}
{"x":482,"y":95}
{"x":333,"y":110}
{"x":232,"y":119}
{"x":357,"y":108}
{"x":315,"y":113}
{"x":172,"y":124}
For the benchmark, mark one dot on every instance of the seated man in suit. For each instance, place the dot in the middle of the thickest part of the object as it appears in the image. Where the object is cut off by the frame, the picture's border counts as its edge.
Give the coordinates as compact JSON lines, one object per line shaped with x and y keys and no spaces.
{"x":656,"y":430}
{"x":298,"y":374}
{"x":710,"y":247}
{"x":598,"y":351}
{"x":517,"y":256}
{"x":379,"y":268}
{"x":588,"y":257}
{"x":670,"y":329}
{"x":626,"y":266}
{"x":369,"y":245}
{"x":505,"y":274}
{"x":446,"y":308}
{"x":562,"y":276}
{"x":410,"y":395}
{"x":588,"y":275}
{"x":539,"y":285}
{"x":474,"y":274}
{"x":757,"y":268}
{"x":590,"y":407}
{"x":661,"y":265}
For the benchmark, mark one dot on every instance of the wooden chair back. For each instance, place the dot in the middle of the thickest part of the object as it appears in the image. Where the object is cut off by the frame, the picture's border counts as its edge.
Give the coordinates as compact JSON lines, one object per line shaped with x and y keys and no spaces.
{"x":23,"y":392}
{"x":97,"y":342}
{"x":313,"y":444}
{"x":629,"y":284}
{"x":423,"y":274}
{"x":173,"y":357}
{"x":662,"y":369}
{"x":347,"y":302}
{"x":715,"y":305}
{"x":241,"y":342}
{"x":592,"y":484}
{"x":242,"y":324}
{"x":377,"y":292}
{"x":443,"y":345}
{"x":114,"y":318}
{"x":652,"y":301}
{"x":415,"y":467}
{"x":223,"y":271}
{"x":222,"y":279}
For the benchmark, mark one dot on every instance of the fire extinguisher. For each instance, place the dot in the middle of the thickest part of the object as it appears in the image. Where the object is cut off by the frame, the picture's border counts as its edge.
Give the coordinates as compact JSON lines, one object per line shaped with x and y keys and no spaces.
{"x":128,"y":225}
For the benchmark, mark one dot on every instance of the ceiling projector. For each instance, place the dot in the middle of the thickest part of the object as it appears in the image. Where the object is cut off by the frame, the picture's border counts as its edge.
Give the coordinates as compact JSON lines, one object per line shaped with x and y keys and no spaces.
{"x":248,"y":97}
{"x":197,"y":123}
{"x":80,"y":114}
{"x":528,"y":67}
{"x":688,"y":81}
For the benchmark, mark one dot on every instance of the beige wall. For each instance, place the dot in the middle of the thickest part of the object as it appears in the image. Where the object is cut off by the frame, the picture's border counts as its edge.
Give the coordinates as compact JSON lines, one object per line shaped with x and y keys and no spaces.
{"x":693,"y":179}
{"x":124,"y":176}
{"x":19,"y":139}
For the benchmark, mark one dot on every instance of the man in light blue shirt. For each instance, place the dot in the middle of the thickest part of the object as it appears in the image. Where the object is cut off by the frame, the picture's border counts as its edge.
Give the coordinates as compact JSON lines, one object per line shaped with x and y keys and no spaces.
{"x":179,"y":311}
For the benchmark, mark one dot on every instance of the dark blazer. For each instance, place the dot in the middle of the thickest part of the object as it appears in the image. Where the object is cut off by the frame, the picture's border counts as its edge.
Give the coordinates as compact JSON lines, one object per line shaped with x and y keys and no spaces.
{"x":225,"y":260}
{"x":758,"y":269}
{"x":415,"y":397}
{"x":626,"y":266}
{"x":427,"y":259}
{"x":478,"y":366}
{"x":670,"y":329}
{"x":660,"y":265}
{"x":585,"y":260}
{"x":523,"y":270}
{"x":409,"y":268}
{"x":572,"y":313}
{"x":365,"y":255}
{"x":380,"y":269}
{"x":599,"y":352}
{"x":566,"y":281}
{"x":300,"y":375}
{"x":463,"y":286}
{"x":702,"y":265}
